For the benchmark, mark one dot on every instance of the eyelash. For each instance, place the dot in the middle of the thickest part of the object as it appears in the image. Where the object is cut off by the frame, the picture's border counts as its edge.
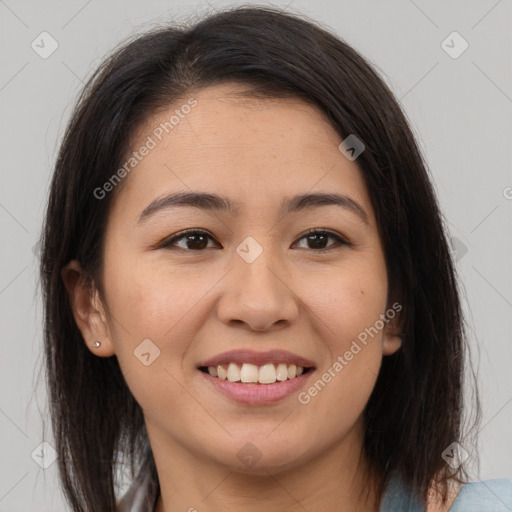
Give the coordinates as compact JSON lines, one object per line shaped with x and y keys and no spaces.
{"x":340,"y":240}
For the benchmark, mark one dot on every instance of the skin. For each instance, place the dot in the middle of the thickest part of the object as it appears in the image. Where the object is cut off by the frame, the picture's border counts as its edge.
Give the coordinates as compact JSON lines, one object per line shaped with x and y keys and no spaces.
{"x":194,"y":304}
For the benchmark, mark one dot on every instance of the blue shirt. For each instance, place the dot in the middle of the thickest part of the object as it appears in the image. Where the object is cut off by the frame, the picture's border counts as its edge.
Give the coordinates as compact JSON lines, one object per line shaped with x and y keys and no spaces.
{"x":484,"y":496}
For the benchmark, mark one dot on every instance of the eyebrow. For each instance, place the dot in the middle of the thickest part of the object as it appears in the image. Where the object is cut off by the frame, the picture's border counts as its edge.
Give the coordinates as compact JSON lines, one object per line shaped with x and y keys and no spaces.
{"x":214,"y":202}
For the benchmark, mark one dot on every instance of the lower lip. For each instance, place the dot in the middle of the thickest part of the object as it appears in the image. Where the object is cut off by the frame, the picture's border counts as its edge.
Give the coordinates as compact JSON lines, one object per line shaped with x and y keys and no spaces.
{"x":254,"y":394}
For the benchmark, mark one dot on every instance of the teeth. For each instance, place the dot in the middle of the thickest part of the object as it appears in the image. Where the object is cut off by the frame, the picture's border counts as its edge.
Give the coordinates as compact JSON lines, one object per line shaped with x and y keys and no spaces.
{"x":267,"y":374}
{"x":221,"y":373}
{"x":282,"y":372}
{"x":233,"y":372}
{"x":251,"y":373}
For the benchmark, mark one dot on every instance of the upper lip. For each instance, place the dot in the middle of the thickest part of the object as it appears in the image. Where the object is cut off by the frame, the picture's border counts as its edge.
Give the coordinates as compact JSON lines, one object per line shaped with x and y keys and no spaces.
{"x":258,"y":358}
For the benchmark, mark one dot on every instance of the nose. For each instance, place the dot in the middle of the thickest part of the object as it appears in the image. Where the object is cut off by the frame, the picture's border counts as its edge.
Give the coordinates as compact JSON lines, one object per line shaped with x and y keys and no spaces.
{"x":257,"y":295}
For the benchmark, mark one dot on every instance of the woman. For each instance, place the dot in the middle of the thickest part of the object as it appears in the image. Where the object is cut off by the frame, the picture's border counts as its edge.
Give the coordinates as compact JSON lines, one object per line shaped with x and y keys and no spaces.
{"x":249,"y":296}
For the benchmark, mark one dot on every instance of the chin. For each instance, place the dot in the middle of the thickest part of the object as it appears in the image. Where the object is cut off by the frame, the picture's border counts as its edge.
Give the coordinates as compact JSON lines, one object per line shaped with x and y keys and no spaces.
{"x":261,"y":456}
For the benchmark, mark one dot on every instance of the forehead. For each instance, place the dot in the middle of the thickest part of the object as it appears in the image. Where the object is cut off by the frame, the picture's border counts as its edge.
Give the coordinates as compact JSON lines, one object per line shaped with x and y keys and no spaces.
{"x":225,"y":119}
{"x":219,"y":140}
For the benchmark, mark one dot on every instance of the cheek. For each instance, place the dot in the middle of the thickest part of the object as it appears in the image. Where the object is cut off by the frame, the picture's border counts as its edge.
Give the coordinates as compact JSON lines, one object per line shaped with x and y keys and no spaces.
{"x":151,"y":336}
{"x":347,"y":302}
{"x":152,"y":300}
{"x":144,"y":304}
{"x":346,"y":310}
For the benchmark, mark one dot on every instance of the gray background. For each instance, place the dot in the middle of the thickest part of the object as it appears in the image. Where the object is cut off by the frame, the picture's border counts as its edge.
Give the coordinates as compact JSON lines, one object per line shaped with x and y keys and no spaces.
{"x":459,"y":107}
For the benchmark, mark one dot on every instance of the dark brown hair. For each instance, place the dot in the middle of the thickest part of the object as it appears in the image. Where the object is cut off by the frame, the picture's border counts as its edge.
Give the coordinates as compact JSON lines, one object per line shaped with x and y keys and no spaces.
{"x":416,"y":408}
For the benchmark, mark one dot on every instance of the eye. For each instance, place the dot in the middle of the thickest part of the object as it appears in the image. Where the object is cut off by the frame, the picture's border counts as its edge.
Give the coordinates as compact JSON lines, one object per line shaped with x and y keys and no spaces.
{"x":318,"y":238}
{"x":193,"y":239}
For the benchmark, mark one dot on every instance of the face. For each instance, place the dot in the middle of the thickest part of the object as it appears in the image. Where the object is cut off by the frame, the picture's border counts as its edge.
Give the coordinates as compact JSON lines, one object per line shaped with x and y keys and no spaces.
{"x":249,"y":288}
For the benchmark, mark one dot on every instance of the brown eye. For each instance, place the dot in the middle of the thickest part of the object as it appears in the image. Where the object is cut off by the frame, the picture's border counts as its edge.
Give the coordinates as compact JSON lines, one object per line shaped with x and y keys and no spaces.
{"x":193,"y":240}
{"x":317,"y":240}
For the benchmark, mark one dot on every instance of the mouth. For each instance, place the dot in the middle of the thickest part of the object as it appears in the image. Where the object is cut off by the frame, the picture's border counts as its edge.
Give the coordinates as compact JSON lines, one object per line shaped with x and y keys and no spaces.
{"x":256,"y":378}
{"x":247,"y":373}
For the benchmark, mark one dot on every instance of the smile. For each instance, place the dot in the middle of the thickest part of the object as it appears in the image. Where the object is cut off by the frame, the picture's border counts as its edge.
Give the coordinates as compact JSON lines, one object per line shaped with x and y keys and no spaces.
{"x":256,"y":378}
{"x":247,"y":373}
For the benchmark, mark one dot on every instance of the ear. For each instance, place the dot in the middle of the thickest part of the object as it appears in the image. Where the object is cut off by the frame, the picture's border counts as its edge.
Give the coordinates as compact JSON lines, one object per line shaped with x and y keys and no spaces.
{"x":88,"y":309}
{"x":392,"y":338}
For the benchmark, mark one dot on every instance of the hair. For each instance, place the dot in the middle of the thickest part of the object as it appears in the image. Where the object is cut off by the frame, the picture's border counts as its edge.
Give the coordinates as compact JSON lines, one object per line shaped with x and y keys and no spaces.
{"x":416,"y":408}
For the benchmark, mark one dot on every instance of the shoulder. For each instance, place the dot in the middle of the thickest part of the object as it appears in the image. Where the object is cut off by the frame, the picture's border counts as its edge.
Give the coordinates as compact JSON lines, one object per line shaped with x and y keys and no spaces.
{"x":483,"y":496}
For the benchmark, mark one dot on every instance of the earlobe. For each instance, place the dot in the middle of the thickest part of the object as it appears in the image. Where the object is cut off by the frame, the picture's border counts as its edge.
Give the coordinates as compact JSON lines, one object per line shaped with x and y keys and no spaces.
{"x":393,"y":332}
{"x":88,"y":310}
{"x":391,"y":344}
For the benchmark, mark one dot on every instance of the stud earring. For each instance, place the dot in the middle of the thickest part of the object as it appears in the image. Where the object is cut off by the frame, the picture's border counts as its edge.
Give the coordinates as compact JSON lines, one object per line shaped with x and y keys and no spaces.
{"x":96,"y":344}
